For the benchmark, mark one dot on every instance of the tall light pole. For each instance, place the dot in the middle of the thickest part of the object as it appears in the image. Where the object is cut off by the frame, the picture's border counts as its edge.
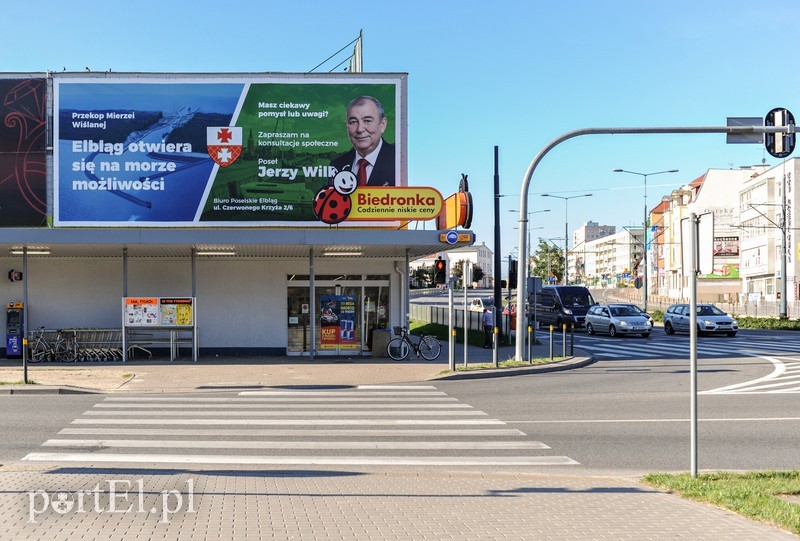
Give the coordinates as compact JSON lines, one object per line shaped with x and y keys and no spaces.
{"x":566,"y":229}
{"x":644,"y":226}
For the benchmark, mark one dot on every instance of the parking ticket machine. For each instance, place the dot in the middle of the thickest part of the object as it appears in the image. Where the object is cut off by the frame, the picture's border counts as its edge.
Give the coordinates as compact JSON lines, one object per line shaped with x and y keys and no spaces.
{"x":14,"y":315}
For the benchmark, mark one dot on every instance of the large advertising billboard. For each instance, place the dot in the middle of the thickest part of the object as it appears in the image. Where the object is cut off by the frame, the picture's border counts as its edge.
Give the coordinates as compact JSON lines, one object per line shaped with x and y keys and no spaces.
{"x":276,"y":150}
{"x":23,"y":172}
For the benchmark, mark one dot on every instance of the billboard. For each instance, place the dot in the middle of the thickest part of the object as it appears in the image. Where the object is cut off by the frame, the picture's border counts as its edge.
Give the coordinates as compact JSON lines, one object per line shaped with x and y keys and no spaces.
{"x":229,"y":150}
{"x":23,"y":173}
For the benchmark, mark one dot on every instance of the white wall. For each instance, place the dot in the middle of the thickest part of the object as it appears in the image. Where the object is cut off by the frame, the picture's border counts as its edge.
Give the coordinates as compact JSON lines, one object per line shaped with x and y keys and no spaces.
{"x":240,"y":303}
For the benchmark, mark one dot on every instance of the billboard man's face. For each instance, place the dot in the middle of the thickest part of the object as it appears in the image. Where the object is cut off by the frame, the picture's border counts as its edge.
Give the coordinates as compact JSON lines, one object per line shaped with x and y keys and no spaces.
{"x":365,"y":127}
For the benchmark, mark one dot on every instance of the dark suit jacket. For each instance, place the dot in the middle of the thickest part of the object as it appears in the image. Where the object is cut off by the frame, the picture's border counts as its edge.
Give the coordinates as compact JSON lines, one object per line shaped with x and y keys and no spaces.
{"x":383,"y":170}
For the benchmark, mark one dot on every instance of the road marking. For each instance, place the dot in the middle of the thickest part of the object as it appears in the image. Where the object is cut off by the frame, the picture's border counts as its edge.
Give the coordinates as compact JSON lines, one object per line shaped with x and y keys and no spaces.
{"x":779,"y":367}
{"x":288,"y":422}
{"x":255,"y":400}
{"x":268,"y":407}
{"x":611,"y":421}
{"x":299,"y":413}
{"x":341,"y":393}
{"x":395,"y":387}
{"x":302,"y":460}
{"x":266,"y":432}
{"x":344,"y":445}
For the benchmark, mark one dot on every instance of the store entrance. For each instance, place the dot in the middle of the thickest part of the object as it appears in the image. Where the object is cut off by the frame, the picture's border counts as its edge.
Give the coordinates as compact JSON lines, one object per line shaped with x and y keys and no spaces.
{"x":346,"y":313}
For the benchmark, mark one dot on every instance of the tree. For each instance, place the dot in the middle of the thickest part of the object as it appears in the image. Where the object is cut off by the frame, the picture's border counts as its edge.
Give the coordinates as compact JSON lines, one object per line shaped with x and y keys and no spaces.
{"x":547,"y":259}
{"x":477,"y":273}
{"x":424,"y":276}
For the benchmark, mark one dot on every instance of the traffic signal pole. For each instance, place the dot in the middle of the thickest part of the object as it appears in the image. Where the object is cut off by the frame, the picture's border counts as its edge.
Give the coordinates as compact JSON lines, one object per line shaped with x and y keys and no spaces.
{"x":526,"y":180}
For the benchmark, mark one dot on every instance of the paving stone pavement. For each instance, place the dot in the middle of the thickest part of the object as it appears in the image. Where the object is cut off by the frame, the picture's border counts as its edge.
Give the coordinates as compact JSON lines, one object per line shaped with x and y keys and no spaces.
{"x":76,"y":503}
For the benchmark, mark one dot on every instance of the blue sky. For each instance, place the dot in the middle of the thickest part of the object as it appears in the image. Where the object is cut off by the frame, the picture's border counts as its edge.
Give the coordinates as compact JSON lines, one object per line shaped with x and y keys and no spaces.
{"x":516,"y":74}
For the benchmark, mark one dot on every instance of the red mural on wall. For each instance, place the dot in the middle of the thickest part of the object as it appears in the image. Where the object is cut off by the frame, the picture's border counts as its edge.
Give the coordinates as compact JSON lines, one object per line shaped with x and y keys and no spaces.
{"x":23,"y":173}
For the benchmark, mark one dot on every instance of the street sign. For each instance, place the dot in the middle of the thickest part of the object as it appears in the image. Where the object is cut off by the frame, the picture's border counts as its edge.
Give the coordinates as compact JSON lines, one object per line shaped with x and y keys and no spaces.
{"x":734,"y":138}
{"x":779,"y":145}
{"x":452,"y":237}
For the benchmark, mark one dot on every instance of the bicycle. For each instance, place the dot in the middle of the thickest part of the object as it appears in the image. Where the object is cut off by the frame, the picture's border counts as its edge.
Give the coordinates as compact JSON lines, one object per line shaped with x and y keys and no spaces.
{"x":428,"y":347}
{"x":63,"y":347}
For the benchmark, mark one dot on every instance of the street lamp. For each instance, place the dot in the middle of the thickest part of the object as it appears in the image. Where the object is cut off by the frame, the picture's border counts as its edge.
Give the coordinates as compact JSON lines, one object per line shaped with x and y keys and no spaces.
{"x":566,"y":229}
{"x":644,"y":226}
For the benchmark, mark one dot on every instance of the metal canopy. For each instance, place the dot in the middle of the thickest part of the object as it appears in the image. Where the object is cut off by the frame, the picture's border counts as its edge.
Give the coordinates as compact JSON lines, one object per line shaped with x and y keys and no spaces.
{"x":228,"y":243}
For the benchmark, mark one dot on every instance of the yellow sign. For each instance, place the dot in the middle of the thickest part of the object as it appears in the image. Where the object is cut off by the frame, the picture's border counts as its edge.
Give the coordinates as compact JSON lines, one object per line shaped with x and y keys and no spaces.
{"x":395,"y":203}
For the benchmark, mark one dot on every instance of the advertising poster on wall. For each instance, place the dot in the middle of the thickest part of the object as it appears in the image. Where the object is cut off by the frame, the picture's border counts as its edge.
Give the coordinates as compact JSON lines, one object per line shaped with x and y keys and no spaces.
{"x":228,"y":151}
{"x":329,"y":322}
{"x":141,"y":311}
{"x":338,"y":322}
{"x":726,"y":258}
{"x":177,"y":312}
{"x":347,"y":322}
{"x":23,"y":172}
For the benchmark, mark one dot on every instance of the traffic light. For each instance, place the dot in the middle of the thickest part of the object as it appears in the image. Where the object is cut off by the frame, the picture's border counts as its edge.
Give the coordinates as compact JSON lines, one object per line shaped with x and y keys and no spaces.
{"x":512,"y":273}
{"x":779,"y":145}
{"x":440,"y":277}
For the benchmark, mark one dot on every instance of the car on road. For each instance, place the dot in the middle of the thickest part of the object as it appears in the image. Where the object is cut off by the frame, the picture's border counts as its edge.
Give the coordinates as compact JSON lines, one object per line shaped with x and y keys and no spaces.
{"x":477,"y":305}
{"x":617,"y":319}
{"x":710,"y":320}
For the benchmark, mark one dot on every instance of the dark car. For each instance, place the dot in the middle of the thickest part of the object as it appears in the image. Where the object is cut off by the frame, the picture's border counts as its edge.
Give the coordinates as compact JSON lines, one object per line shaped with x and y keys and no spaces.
{"x":710,"y":320}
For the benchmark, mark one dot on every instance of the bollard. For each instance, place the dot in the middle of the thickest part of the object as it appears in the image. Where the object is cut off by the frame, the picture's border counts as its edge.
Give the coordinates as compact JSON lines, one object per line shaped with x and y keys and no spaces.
{"x":572,"y":340}
{"x":530,"y":342}
{"x":551,"y":342}
{"x":564,"y":340}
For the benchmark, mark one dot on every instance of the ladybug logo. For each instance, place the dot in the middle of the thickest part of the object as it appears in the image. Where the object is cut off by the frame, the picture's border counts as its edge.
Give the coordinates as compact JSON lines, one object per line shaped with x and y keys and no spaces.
{"x":345,"y":182}
{"x":330,"y":206}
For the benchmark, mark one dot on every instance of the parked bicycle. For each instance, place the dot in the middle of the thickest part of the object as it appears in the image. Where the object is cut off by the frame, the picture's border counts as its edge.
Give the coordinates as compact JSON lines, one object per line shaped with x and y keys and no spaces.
{"x":428,"y":347}
{"x":49,"y":346}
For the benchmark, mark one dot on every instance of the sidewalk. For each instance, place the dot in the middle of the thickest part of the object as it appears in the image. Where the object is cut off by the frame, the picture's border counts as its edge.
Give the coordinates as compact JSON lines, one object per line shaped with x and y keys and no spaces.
{"x":211,"y":374}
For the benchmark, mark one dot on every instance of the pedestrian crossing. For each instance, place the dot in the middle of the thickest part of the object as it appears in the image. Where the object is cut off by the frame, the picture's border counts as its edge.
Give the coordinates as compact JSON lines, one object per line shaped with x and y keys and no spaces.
{"x":670,"y":347}
{"x":370,"y":425}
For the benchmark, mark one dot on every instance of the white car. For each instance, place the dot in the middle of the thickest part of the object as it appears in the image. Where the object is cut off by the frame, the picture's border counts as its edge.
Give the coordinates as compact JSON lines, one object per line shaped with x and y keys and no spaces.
{"x":710,"y":320}
{"x":477,"y":305}
{"x":617,"y":319}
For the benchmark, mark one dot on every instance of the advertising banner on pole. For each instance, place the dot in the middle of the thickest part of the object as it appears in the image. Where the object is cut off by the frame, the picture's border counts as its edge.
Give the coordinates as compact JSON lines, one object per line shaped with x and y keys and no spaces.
{"x":272,"y":149}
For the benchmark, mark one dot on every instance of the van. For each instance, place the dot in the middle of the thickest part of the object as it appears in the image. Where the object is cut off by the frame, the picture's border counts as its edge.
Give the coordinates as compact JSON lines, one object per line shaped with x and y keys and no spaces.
{"x":559,"y":305}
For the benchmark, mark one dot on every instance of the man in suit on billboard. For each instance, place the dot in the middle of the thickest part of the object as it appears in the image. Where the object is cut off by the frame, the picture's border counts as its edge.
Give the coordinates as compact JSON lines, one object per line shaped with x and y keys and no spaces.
{"x":372,"y":159}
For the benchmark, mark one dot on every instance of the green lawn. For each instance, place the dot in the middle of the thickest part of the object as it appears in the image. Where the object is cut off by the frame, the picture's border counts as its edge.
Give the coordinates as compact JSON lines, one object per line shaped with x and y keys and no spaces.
{"x":756,"y":495}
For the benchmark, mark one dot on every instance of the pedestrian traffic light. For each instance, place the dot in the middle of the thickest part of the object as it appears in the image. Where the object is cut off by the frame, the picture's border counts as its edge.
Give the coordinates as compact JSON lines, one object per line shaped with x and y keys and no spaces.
{"x":440,"y":277}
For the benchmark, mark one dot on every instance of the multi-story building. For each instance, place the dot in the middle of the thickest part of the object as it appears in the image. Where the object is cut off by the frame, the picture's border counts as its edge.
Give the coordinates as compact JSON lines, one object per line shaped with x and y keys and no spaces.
{"x":609,"y":260}
{"x":715,"y":195}
{"x":766,"y":207}
{"x":576,"y":258}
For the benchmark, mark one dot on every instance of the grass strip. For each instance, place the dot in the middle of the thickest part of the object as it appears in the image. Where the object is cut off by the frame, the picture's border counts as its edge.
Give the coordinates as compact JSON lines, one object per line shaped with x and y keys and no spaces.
{"x":756,"y":495}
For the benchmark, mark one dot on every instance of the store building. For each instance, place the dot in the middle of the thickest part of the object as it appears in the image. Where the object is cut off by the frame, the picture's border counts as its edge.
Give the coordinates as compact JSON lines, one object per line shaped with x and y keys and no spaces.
{"x":220,"y":189}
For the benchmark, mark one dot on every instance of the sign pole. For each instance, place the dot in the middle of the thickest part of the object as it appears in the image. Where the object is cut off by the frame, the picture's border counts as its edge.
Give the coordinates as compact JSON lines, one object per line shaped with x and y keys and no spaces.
{"x":693,"y":243}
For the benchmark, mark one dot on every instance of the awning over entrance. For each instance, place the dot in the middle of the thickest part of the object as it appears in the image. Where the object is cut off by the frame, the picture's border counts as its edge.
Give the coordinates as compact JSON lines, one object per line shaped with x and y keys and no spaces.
{"x":236,"y":243}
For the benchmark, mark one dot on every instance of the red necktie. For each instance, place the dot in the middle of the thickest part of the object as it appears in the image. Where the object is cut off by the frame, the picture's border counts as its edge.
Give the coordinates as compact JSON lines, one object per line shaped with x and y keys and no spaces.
{"x":362,"y":172}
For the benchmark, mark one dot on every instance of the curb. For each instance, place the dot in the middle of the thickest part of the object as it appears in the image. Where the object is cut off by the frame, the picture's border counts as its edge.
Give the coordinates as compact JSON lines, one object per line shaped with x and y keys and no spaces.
{"x":566,"y":364}
{"x":47,"y":390}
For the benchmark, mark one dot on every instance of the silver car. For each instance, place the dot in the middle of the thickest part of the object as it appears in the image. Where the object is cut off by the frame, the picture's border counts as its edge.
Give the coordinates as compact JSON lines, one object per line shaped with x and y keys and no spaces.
{"x":616,"y":319}
{"x":710,"y":320}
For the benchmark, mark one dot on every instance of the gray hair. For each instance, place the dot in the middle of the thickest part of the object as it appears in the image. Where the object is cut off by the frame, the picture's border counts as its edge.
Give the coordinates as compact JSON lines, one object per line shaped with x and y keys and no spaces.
{"x":361,"y":100}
